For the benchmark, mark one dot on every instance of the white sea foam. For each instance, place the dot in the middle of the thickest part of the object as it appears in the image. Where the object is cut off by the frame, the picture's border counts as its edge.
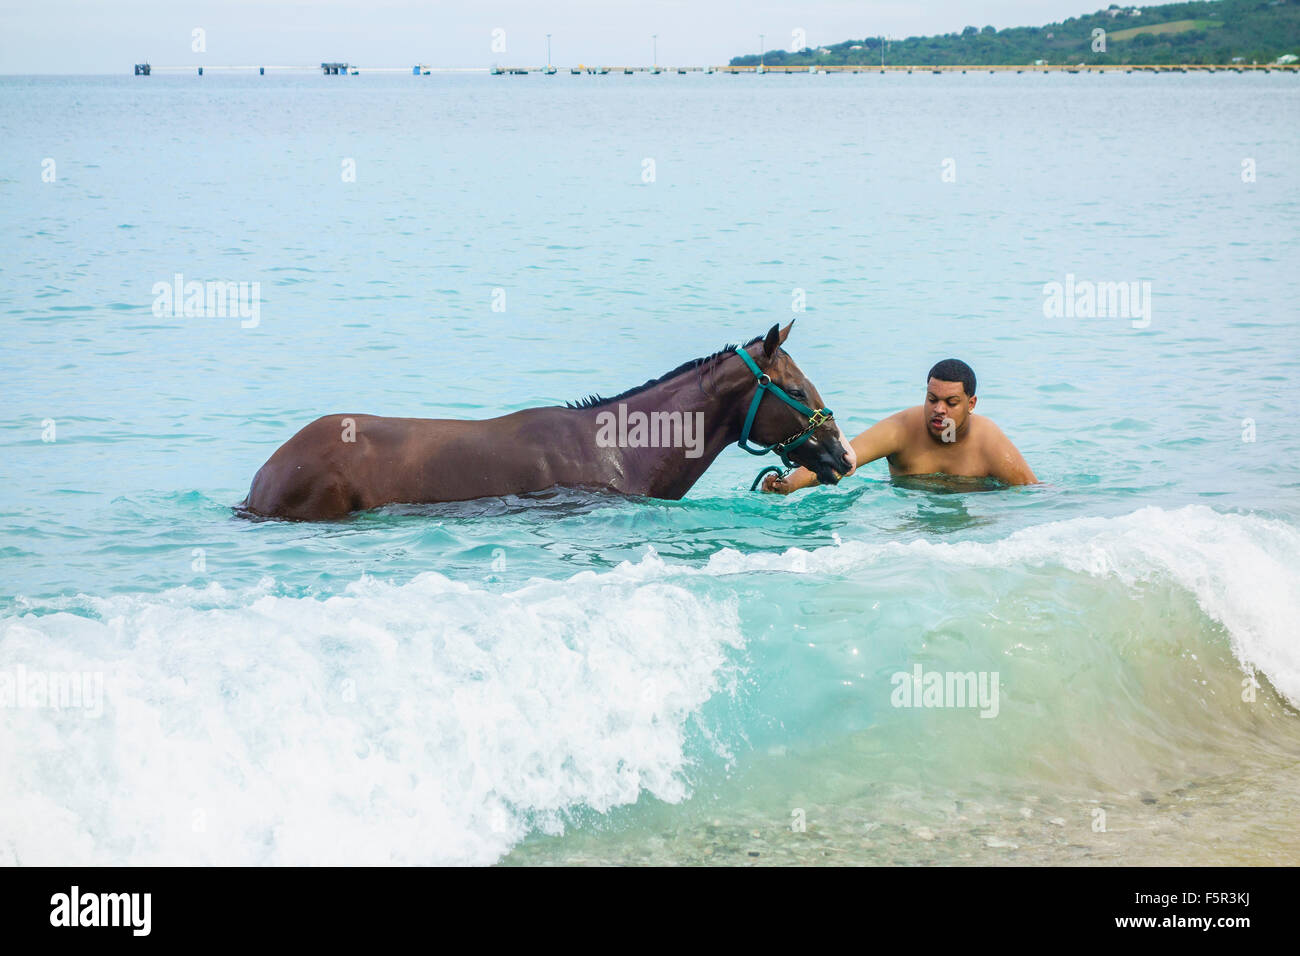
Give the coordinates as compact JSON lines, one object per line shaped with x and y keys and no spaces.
{"x":419,"y":723}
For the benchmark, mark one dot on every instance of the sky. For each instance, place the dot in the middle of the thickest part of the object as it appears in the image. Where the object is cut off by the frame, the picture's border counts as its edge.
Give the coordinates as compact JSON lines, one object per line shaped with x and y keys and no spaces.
{"x":108,"y":36}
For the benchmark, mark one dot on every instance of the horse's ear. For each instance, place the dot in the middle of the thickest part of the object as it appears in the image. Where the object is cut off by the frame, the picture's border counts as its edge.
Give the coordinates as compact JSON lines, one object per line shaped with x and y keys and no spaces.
{"x":776,"y":337}
{"x":772,"y":341}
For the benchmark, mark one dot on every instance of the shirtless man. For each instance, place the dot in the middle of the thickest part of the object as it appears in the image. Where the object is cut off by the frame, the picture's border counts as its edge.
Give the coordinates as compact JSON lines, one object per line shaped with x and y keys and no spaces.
{"x":943,"y":436}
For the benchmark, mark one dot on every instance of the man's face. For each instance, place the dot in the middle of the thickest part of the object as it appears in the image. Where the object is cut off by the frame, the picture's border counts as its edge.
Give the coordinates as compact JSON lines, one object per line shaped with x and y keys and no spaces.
{"x":943,"y":401}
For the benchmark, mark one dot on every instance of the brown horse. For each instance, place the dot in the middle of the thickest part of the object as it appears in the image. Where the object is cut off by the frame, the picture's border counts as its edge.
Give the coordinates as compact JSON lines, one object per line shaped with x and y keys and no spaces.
{"x":655,"y":440}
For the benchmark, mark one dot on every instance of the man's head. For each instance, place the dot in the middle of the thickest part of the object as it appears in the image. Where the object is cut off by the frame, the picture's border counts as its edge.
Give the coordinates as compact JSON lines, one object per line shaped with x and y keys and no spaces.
{"x":950,"y":395}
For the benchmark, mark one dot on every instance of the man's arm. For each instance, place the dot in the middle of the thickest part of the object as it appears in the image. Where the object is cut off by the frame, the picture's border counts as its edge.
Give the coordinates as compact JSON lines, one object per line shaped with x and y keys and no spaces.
{"x":1005,"y":463}
{"x":881,"y":439}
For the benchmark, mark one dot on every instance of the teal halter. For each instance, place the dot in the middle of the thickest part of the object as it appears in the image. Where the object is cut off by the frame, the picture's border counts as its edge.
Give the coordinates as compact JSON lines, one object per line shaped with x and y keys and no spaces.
{"x":782,"y":448}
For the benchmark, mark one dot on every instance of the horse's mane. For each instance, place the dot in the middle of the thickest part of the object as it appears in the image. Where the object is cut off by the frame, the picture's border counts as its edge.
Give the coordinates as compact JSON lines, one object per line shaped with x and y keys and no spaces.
{"x":594,"y":401}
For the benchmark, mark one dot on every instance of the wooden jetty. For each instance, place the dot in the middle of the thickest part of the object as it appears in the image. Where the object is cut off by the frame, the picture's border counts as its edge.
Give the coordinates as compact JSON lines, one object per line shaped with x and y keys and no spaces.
{"x":420,"y":69}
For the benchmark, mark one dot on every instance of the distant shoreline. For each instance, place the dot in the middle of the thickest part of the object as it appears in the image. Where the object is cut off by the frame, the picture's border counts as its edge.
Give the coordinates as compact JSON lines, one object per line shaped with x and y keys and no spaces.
{"x":1228,"y":33}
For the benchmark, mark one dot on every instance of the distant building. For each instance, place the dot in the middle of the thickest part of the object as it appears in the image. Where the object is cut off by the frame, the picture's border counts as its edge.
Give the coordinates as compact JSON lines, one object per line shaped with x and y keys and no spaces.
{"x":1288,"y":58}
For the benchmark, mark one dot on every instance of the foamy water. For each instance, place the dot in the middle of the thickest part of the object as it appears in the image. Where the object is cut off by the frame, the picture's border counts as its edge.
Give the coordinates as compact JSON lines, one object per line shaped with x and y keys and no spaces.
{"x":428,"y":722}
{"x":433,"y":721}
{"x":1236,"y":567}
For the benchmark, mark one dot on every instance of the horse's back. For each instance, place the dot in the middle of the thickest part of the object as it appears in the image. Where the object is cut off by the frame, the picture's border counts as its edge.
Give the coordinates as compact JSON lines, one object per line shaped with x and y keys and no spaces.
{"x":338,"y":464}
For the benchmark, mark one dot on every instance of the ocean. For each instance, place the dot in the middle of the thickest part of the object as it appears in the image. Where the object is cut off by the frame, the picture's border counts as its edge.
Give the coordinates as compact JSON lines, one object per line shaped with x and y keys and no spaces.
{"x":1100,"y":669}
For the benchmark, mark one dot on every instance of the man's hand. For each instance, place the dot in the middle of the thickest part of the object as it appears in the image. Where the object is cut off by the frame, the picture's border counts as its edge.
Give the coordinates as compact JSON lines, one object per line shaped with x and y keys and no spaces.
{"x":772,"y":483}
{"x":799,"y":478}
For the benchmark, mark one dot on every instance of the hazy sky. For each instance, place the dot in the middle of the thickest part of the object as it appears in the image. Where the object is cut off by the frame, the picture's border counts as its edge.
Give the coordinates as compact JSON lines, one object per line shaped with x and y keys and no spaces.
{"x":108,"y":36}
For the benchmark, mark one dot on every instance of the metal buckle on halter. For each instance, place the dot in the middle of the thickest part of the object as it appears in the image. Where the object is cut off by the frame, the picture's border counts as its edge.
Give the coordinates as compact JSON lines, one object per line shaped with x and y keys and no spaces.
{"x":818,"y":418}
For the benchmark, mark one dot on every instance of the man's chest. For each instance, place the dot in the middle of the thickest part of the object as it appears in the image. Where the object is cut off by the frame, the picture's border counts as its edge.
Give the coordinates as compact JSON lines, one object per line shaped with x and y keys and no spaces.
{"x":960,"y":458}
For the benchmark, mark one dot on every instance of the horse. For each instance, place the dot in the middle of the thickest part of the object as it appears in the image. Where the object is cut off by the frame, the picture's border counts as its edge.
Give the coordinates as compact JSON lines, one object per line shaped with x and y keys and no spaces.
{"x":655,"y":440}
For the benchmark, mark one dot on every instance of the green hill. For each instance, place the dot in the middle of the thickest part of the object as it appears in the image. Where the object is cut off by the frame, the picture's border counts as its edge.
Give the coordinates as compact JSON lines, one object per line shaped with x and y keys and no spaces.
{"x":1208,"y":31}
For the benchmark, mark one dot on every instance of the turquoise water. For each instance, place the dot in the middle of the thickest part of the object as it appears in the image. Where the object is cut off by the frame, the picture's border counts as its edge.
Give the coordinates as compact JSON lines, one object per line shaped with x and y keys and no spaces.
{"x":574,"y":677}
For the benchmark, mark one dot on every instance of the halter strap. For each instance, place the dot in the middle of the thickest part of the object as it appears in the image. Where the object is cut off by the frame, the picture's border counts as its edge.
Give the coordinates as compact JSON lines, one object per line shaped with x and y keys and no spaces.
{"x":765,"y":385}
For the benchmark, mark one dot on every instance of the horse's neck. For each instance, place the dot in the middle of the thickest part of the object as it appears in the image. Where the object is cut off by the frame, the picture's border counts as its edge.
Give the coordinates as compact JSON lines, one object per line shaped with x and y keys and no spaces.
{"x":710,"y":403}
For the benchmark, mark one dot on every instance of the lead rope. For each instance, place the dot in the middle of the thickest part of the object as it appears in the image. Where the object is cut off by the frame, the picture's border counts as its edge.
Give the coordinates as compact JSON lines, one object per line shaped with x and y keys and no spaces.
{"x":781,"y":475}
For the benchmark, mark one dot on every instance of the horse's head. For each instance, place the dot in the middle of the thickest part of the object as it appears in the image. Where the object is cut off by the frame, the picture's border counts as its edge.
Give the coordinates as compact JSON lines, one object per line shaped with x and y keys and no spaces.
{"x":778,"y":424}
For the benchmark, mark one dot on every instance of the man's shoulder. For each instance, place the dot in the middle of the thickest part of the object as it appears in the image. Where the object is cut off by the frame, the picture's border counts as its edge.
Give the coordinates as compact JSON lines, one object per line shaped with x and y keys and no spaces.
{"x":889,"y":435}
{"x":987,"y":433}
{"x":907,"y":423}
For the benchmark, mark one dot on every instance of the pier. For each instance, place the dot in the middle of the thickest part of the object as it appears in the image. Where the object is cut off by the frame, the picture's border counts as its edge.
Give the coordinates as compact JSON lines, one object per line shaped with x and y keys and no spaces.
{"x":420,"y":69}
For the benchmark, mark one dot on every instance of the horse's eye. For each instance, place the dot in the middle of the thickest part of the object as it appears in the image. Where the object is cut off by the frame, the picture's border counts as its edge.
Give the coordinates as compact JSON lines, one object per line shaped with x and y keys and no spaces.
{"x":797,"y":392}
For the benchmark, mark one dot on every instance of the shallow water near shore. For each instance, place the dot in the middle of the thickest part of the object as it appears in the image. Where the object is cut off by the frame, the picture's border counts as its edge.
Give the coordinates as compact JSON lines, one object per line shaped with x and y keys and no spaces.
{"x":575,"y":677}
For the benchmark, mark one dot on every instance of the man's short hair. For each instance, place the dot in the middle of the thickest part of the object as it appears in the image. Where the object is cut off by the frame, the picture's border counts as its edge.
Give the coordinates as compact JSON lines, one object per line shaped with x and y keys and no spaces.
{"x":954,"y":370}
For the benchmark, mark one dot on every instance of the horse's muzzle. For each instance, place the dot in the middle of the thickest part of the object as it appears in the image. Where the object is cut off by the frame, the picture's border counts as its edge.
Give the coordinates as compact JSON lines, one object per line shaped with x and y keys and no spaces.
{"x":827,"y":457}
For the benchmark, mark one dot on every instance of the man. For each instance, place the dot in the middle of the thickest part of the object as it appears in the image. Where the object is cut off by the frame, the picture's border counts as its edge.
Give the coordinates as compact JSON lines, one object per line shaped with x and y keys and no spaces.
{"x":941,"y":436}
